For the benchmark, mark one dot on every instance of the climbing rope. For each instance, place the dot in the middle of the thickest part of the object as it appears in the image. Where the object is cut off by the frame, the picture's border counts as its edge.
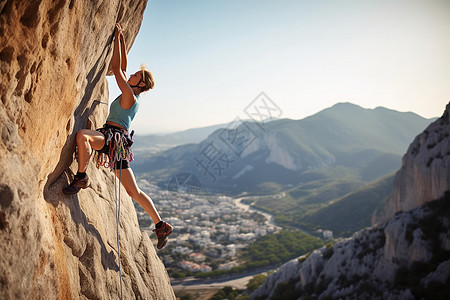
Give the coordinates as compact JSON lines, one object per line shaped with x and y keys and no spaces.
{"x":117,"y":196}
{"x":118,"y":9}
{"x":111,"y":38}
{"x":119,"y":150}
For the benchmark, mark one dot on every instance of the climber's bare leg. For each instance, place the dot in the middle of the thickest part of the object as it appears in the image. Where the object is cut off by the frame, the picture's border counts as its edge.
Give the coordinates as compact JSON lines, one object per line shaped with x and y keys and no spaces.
{"x":87,"y":140}
{"x":129,"y":183}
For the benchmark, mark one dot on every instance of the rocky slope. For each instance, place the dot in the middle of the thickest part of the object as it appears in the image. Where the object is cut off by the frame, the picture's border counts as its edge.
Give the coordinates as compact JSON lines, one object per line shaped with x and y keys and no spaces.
{"x":54,"y":56}
{"x":407,"y":256}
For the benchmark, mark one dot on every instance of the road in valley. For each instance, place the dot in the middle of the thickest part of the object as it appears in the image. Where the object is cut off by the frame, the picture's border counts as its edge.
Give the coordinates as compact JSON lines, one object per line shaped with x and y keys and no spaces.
{"x":236,"y":281}
{"x":269,"y":217}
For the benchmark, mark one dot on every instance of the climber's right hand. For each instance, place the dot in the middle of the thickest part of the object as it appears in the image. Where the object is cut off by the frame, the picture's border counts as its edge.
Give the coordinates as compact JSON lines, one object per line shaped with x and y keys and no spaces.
{"x":118,"y":30}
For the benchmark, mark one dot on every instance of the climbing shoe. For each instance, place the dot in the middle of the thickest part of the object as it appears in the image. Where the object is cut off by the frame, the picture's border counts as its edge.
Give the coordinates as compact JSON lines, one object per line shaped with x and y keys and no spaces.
{"x":76,"y":185}
{"x":162,"y":231}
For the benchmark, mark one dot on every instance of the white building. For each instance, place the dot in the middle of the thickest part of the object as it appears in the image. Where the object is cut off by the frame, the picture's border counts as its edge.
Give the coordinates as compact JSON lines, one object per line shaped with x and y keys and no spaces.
{"x":228,"y":265}
{"x":327,"y":234}
{"x":231,"y":250}
{"x":205,"y":268}
{"x":182,"y":250}
{"x":197,"y":257}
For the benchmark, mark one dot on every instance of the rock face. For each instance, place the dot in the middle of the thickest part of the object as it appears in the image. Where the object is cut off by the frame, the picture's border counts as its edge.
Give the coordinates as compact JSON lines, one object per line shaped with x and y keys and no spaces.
{"x":405,"y":256}
{"x":425,"y":171}
{"x":54,"y":56}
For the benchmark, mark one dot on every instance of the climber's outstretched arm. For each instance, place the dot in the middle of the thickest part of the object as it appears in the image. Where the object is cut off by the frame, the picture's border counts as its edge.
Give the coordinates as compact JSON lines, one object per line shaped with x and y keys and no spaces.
{"x":118,"y":60}
{"x":123,"y":52}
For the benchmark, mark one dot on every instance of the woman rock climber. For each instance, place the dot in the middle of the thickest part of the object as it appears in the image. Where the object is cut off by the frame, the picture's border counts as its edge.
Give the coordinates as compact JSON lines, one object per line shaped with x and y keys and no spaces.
{"x":105,"y":140}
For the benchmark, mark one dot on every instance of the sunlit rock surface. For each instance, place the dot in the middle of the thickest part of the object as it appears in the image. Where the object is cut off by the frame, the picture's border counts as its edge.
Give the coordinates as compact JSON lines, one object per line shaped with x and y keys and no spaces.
{"x":54,"y":56}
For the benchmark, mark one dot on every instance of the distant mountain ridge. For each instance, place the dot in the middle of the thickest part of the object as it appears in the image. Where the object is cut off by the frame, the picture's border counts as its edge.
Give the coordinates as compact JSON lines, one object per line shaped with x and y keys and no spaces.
{"x":169,"y":140}
{"x":193,"y":135}
{"x":247,"y":156}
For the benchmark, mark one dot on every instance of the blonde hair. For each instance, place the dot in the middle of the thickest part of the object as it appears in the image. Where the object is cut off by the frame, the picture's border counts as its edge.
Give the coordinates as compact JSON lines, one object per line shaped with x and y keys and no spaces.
{"x":147,"y":78}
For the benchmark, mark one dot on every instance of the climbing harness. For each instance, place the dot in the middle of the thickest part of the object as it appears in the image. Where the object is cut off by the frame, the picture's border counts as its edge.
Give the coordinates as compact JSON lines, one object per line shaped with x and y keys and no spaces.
{"x":117,"y":147}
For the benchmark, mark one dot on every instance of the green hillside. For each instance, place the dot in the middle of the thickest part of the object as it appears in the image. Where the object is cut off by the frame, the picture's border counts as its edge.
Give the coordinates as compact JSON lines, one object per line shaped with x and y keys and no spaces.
{"x":353,"y":211}
{"x":332,"y":201}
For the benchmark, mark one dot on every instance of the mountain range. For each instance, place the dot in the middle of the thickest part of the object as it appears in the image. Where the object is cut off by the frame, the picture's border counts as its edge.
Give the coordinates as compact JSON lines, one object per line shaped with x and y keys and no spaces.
{"x":298,"y":170}
{"x":266,"y":157}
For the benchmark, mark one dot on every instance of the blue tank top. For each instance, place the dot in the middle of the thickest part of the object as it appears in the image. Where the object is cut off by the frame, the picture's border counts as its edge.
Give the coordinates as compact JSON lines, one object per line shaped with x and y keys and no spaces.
{"x":122,"y":116}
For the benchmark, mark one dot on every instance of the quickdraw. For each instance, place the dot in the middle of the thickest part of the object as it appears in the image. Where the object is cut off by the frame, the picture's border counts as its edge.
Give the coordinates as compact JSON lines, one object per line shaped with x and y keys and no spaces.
{"x":119,"y":148}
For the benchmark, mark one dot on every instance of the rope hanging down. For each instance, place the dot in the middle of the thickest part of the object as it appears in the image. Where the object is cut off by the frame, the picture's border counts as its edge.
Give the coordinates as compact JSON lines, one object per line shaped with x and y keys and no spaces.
{"x":119,"y":150}
{"x":117,"y":196}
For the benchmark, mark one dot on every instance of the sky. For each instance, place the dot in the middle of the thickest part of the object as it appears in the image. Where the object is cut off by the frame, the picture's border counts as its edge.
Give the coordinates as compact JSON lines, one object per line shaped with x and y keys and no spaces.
{"x":211,"y":59}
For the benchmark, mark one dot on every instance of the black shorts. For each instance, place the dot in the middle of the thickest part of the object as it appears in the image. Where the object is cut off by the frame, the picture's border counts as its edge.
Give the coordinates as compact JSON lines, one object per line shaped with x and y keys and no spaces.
{"x":108,"y":132}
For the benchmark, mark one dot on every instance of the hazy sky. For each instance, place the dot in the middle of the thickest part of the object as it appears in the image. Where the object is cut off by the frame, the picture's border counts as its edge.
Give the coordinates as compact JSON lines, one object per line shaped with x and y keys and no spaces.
{"x":211,"y":59}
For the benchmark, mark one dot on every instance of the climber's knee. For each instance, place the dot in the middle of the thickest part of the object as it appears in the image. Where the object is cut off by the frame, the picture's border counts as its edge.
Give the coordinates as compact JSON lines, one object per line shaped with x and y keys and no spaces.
{"x":82,"y":137}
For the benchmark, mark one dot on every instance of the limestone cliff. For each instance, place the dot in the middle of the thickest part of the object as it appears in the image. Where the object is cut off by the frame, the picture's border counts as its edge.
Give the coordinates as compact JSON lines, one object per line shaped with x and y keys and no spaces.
{"x":405,"y":256}
{"x":54,"y":56}
{"x":425,"y":171}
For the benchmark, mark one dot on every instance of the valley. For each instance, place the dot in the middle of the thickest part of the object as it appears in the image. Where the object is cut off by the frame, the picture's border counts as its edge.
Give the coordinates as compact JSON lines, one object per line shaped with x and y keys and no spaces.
{"x":216,"y":235}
